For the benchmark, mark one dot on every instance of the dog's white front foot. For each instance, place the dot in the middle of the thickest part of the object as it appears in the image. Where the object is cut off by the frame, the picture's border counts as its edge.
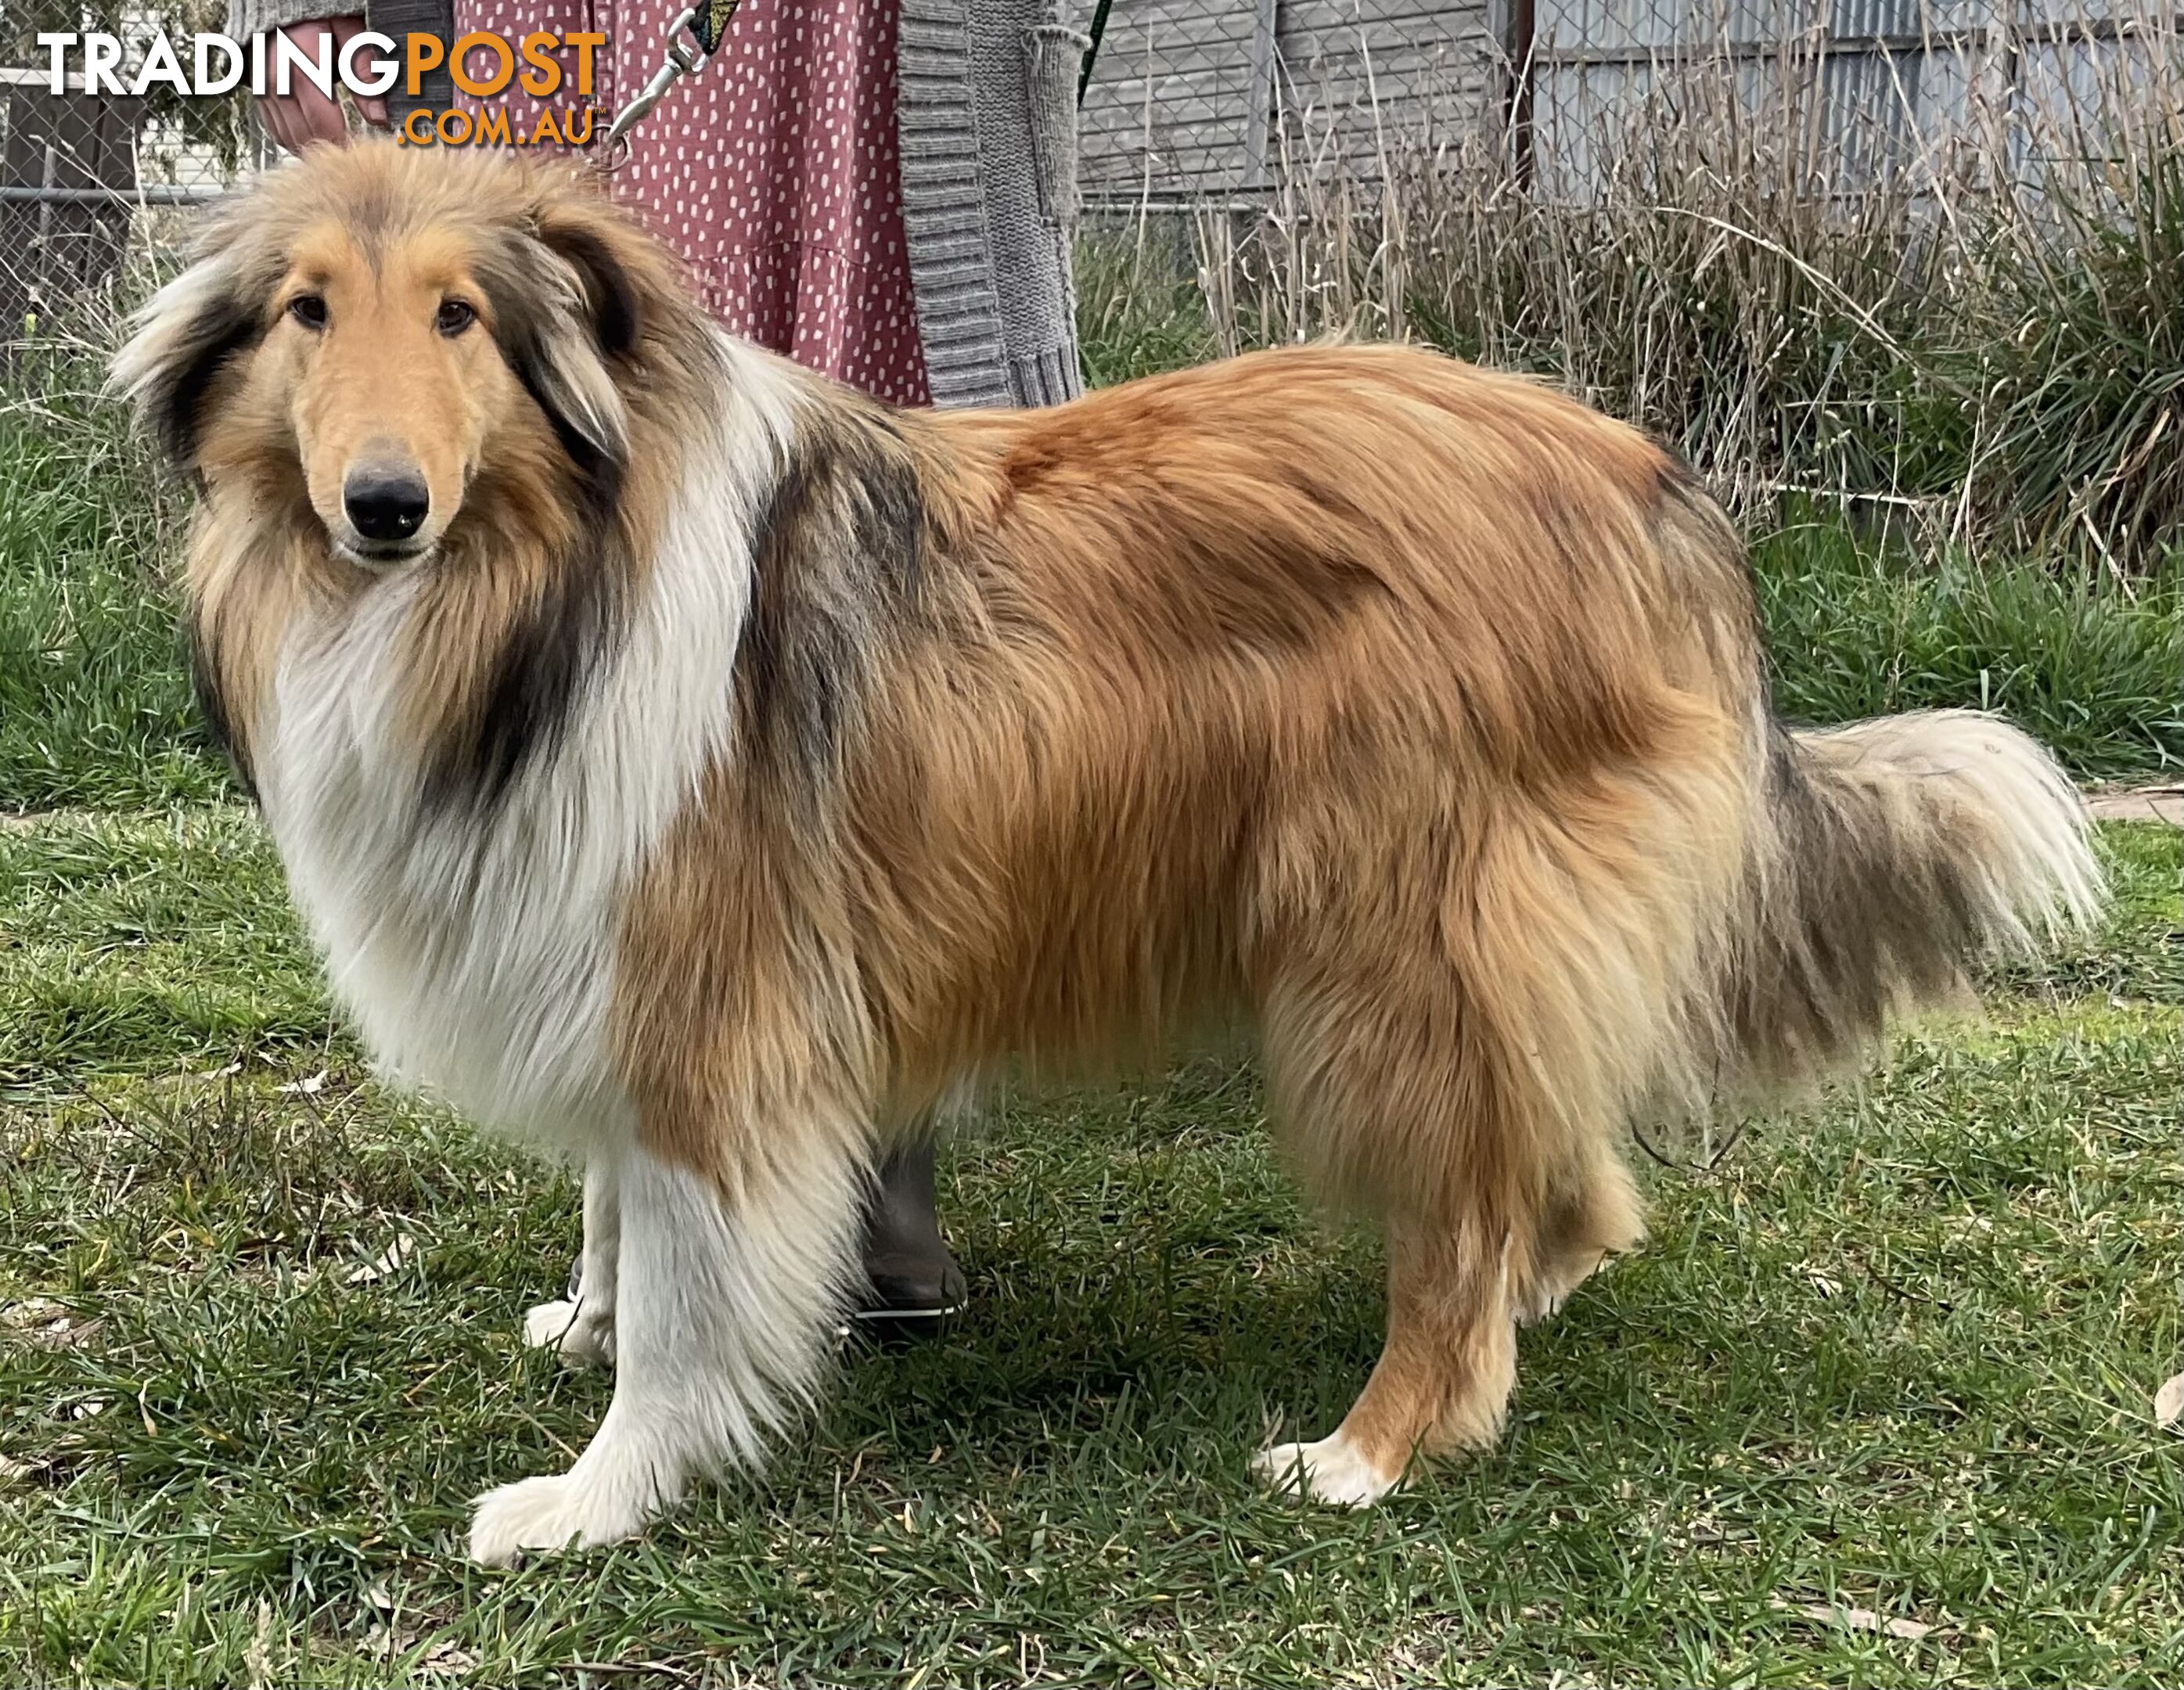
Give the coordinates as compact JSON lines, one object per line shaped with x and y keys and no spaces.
{"x":714,"y":1321}
{"x":1330,"y":1471}
{"x":532,"y":1516}
{"x":582,"y":1337}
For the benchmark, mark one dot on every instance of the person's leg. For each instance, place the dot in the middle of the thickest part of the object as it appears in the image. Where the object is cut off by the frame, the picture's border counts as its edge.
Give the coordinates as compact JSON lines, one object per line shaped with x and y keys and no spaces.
{"x":914,"y":1281}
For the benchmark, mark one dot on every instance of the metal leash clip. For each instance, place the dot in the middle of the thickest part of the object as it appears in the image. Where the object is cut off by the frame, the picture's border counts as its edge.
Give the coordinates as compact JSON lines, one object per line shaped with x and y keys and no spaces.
{"x":686,"y":54}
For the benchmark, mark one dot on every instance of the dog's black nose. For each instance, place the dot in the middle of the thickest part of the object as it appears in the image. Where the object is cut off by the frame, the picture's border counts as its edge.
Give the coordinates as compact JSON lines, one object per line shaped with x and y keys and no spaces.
{"x":386,"y":504}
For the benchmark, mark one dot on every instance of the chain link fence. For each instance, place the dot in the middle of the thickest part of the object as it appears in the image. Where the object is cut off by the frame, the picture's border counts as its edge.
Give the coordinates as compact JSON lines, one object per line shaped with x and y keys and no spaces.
{"x":89,"y":184}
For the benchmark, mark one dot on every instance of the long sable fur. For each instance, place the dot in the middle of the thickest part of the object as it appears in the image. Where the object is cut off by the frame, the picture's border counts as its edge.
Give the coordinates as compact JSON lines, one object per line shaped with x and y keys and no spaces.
{"x":1417,"y":713}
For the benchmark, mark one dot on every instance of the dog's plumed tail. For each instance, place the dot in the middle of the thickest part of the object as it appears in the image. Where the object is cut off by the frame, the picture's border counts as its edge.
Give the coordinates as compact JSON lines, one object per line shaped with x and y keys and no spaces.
{"x":1895,"y":854}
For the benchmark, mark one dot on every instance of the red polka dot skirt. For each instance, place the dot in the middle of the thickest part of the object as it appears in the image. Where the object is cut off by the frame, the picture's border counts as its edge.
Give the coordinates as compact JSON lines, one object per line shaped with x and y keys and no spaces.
{"x":774,"y":172}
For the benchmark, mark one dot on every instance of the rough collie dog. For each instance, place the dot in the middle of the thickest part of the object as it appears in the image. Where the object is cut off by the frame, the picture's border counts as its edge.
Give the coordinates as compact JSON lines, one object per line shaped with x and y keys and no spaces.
{"x":689,"y":764}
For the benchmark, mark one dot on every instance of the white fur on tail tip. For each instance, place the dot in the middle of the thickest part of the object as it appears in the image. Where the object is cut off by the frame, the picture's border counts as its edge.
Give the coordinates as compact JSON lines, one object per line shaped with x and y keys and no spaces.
{"x":1330,"y":1470}
{"x":2049,"y":873}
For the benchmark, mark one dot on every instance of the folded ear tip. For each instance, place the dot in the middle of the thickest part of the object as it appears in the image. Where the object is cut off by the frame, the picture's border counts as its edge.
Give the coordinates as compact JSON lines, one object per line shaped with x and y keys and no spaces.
{"x":611,"y":297}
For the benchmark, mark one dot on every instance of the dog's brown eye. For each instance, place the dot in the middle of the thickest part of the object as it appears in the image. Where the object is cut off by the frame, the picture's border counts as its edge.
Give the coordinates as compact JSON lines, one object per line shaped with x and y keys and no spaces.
{"x":309,"y":310}
{"x":455,"y":316}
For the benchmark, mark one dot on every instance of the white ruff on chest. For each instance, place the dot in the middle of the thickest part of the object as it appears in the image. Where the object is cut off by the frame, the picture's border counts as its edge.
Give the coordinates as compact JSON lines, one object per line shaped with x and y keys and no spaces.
{"x":475,"y":942}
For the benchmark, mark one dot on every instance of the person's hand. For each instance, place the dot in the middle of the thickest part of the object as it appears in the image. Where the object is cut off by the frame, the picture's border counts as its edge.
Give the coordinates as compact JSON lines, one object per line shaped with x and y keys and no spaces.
{"x":303,"y":114}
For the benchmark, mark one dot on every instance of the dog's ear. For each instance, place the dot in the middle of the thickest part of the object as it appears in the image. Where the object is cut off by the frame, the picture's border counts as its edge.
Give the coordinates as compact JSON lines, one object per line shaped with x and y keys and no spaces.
{"x":580,"y":316}
{"x":180,"y":341}
{"x":613,"y":270}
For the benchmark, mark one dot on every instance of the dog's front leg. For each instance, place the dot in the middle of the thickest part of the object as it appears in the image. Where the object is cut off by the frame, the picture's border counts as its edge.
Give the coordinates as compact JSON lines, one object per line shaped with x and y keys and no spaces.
{"x":728,"y":1284}
{"x":582,"y":1325}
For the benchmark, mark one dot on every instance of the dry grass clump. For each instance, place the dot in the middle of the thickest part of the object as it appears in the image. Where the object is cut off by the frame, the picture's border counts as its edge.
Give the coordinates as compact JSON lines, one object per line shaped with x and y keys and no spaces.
{"x":1977,"y":332}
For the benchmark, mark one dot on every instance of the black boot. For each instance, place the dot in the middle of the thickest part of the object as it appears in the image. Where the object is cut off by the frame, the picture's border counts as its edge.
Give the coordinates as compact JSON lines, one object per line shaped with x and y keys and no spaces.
{"x":914,"y":1284}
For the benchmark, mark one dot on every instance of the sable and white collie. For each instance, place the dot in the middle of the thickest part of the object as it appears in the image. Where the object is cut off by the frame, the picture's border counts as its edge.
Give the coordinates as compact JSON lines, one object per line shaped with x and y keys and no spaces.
{"x":699,"y":767}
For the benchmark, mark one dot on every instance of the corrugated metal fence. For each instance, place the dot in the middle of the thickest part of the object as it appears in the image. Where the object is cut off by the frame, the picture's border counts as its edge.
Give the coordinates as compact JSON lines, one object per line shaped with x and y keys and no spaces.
{"x":1873,"y":86}
{"x":1197,"y":97}
{"x":1190,"y":98}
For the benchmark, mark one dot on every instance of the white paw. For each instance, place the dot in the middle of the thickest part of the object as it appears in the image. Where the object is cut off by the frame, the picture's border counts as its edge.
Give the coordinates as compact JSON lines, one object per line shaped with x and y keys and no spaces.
{"x":548,"y":1514}
{"x":581,"y":1338}
{"x":1330,"y":1470}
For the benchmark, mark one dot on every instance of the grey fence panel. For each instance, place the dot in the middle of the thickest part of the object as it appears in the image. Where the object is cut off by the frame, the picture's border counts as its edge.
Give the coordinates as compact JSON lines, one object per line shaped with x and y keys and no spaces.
{"x":1583,"y":98}
{"x":1889,"y":86}
{"x":1197,"y":97}
{"x":1177,"y":104}
{"x":1363,"y":78}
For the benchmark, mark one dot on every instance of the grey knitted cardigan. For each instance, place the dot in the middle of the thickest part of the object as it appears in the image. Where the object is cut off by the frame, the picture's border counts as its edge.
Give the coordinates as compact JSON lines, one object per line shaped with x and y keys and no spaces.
{"x":987,"y":114}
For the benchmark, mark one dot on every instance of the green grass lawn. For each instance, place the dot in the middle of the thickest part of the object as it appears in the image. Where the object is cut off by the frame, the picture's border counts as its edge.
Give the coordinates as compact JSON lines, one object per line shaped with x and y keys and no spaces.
{"x":1890,"y":1362}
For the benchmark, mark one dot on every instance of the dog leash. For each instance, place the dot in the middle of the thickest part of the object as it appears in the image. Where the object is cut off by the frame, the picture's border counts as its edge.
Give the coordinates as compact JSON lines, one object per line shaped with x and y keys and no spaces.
{"x":705,"y":23}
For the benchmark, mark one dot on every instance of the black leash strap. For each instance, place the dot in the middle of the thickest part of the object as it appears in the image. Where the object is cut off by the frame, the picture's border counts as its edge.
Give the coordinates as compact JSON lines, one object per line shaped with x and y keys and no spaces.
{"x":1092,"y":47}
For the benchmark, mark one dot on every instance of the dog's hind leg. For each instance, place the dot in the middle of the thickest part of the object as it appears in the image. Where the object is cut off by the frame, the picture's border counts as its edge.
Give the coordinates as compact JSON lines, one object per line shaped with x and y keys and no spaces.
{"x":1596,"y":1214}
{"x":726,"y":1292}
{"x":581,"y":1327}
{"x":1394,"y":1088}
{"x":1442,"y":1381}
{"x":1492,"y":1215}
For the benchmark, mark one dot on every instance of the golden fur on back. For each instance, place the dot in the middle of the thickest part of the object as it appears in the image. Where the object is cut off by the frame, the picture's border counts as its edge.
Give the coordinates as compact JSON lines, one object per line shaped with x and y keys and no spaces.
{"x":1097,"y":790}
{"x":1414,"y":714}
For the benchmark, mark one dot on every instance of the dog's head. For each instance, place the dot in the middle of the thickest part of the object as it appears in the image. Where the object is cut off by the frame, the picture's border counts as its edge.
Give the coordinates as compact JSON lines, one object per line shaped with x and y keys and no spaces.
{"x":391,"y":333}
